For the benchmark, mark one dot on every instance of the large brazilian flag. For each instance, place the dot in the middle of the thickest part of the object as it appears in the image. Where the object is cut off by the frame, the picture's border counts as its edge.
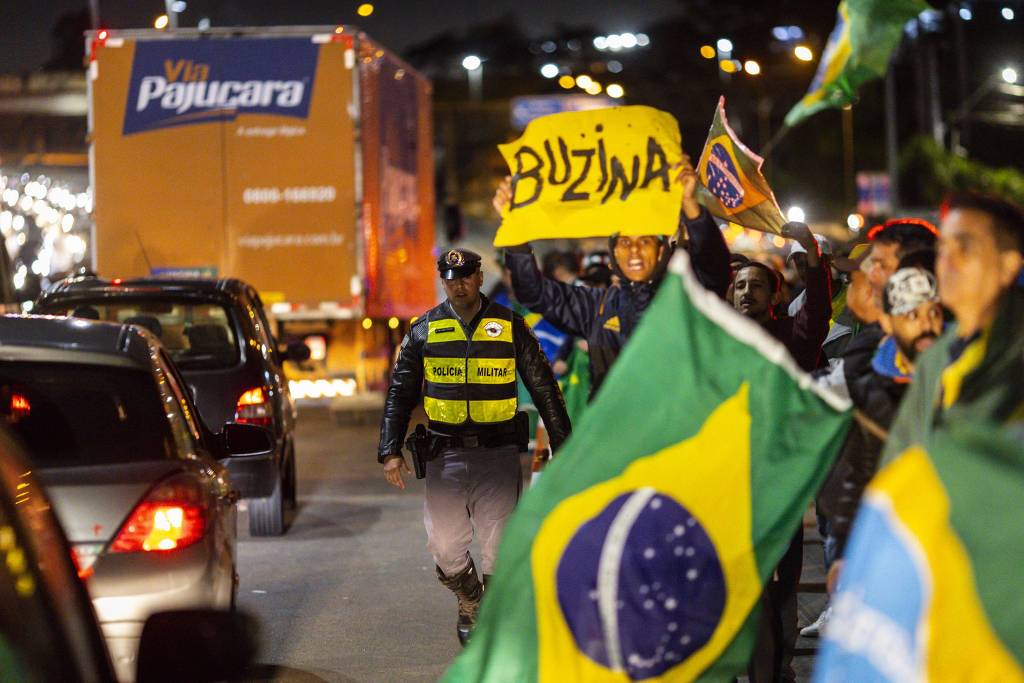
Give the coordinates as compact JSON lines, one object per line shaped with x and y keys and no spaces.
{"x":931,"y":586}
{"x":643,"y":550}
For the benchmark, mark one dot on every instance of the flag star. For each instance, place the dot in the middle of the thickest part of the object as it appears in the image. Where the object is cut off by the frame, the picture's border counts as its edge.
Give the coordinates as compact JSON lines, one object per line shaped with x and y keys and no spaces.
{"x":692,"y":574}
{"x":678,"y":552}
{"x":649,"y":554}
{"x":670,"y":604}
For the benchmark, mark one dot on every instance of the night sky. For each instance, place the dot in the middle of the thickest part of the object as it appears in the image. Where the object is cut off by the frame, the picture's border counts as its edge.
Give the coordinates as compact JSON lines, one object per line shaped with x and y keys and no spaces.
{"x":25,"y":41}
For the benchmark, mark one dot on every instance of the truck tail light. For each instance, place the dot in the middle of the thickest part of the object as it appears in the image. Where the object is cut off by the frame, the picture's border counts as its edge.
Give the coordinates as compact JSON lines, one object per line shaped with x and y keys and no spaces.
{"x":171,"y":516}
{"x":253,"y":408}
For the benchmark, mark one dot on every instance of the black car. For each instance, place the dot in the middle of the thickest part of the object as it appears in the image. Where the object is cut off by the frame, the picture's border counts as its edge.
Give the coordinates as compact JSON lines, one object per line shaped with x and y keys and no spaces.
{"x":218,"y":336}
{"x":48,"y":630}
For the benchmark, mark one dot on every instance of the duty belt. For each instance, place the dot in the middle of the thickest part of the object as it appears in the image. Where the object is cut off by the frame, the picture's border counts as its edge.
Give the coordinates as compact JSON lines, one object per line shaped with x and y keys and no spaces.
{"x":484,"y":440}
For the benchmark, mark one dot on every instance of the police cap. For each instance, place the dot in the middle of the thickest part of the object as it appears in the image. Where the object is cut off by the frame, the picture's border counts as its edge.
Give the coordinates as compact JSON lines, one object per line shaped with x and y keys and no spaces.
{"x":458,"y":263}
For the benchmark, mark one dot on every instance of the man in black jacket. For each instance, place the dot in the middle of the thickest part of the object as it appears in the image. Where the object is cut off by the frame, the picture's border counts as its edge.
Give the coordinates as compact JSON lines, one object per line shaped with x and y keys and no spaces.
{"x":607,"y":317}
{"x":462,"y":358}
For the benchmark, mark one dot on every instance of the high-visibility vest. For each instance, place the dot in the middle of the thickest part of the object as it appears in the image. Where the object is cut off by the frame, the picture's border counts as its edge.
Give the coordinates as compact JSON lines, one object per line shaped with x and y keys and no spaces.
{"x":470,"y":380}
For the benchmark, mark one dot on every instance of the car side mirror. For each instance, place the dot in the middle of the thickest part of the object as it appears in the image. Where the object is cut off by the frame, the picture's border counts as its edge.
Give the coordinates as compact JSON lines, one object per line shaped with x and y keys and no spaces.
{"x":242,"y":440}
{"x":296,"y":351}
{"x":200,"y":646}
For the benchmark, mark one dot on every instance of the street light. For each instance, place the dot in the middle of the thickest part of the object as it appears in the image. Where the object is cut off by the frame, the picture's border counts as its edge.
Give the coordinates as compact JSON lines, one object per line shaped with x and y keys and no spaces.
{"x":161,"y":22}
{"x":795,"y":213}
{"x":958,"y":121}
{"x":1008,"y":13}
{"x":752,"y":67}
{"x":549,"y":70}
{"x":567,"y":82}
{"x":803,"y":53}
{"x":1009,"y":75}
{"x":474,"y":67}
{"x":365,"y":9}
{"x":724,"y":45}
{"x":615,"y":91}
{"x":707,"y":52}
{"x":584,"y":81}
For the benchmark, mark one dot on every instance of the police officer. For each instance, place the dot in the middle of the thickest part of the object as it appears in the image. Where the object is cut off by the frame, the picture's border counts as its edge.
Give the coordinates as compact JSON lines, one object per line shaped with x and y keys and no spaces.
{"x":462,"y":358}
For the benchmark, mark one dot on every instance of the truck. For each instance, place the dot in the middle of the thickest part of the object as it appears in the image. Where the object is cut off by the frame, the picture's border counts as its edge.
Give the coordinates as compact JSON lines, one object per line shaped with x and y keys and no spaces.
{"x":298,"y":159}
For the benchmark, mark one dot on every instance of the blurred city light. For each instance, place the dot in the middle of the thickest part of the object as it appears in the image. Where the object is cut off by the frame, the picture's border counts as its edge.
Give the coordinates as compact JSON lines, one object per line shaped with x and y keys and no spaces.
{"x":729,"y":66}
{"x":752,"y":67}
{"x":1008,"y":13}
{"x":628,"y":41}
{"x":795,"y":33}
{"x":594,"y":88}
{"x":204,"y":24}
{"x":178,"y":6}
{"x":614,"y":66}
{"x":161,"y":22}
{"x":855,"y":221}
{"x":724,"y":45}
{"x":549,"y":46}
{"x":615,"y":42}
{"x":795,"y":213}
{"x":707,"y":52}
{"x":393,"y":323}
{"x":643,"y":40}
{"x":803,"y":53}
{"x":1010,"y":75}
{"x":584,"y":81}
{"x":471,"y":63}
{"x":567,"y":82}
{"x":103,"y":34}
{"x":966,"y":14}
{"x":367,"y":323}
{"x":601,"y":43}
{"x":549,"y":70}
{"x":780,"y":33}
{"x":365,"y":9}
{"x":615,"y":91}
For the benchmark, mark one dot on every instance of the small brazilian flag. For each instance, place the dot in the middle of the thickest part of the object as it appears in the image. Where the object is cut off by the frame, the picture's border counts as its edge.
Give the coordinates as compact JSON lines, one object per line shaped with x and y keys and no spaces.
{"x":930,"y":589}
{"x":643,"y":550}
{"x":731,"y":182}
{"x":858,"y":50}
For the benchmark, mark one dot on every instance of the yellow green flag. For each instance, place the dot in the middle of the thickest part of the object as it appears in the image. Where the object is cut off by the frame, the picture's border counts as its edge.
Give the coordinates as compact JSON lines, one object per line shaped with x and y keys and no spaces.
{"x":858,"y":50}
{"x":644,"y":548}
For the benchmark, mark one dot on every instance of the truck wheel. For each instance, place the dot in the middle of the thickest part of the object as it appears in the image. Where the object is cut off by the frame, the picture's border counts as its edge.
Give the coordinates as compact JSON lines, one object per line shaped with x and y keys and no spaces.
{"x":266,"y":515}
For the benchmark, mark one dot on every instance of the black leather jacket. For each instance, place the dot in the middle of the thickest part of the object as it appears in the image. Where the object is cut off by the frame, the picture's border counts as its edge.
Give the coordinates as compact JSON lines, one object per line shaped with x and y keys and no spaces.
{"x":407,"y":382}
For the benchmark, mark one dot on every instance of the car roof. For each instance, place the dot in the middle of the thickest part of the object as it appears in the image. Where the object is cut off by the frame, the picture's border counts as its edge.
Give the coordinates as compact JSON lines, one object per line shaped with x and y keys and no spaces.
{"x":92,"y":285}
{"x":41,"y":337}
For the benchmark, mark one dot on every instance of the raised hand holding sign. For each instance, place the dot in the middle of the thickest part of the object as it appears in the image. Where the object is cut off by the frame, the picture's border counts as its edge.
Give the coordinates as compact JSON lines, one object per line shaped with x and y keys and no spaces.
{"x":592,"y":173}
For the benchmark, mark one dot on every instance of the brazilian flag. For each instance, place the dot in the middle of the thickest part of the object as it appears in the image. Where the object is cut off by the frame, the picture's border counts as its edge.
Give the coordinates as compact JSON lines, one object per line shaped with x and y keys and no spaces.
{"x":643,"y":549}
{"x":930,"y":589}
{"x":731,"y":182}
{"x":858,"y":50}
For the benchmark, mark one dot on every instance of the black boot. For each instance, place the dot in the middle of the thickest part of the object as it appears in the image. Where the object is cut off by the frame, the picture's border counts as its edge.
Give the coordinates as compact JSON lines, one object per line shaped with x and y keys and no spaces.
{"x":468,"y":590}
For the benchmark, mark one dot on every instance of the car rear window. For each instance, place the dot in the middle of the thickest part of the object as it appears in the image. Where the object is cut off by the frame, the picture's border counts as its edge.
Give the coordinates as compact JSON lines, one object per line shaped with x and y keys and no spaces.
{"x":199,"y":336}
{"x":70,"y":415}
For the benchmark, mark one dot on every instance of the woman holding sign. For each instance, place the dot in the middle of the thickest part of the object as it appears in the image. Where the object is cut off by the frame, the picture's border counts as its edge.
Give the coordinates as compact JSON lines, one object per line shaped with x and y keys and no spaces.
{"x":607,"y":317}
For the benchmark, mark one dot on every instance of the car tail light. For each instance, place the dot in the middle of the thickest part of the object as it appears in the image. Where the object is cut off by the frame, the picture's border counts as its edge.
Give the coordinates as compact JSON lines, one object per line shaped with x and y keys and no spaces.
{"x":84,"y":573}
{"x":20,"y":407}
{"x":253,"y":408}
{"x":172,"y":516}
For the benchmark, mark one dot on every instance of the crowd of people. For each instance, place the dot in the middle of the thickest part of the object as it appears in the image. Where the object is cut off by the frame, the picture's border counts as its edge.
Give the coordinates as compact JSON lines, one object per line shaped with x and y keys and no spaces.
{"x":909,"y":325}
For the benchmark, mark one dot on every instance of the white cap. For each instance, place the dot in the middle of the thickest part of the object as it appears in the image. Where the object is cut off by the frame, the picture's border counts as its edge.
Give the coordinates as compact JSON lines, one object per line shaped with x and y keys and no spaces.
{"x":823,"y":244}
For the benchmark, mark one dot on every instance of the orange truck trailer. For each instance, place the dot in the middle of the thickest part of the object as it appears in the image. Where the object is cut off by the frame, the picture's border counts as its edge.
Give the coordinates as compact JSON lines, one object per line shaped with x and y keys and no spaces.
{"x":298,"y":159}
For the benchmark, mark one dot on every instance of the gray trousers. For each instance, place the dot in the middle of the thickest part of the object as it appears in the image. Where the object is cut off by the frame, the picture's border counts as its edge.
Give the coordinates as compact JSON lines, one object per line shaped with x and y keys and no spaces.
{"x":469,"y":489}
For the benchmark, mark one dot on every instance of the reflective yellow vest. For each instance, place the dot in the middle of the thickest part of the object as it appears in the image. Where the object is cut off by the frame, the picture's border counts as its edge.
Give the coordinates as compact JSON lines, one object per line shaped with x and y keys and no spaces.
{"x":470,"y":380}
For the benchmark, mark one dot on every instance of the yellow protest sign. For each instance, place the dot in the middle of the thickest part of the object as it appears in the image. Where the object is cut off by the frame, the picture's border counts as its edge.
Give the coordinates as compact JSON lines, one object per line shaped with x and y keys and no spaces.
{"x":593,"y":173}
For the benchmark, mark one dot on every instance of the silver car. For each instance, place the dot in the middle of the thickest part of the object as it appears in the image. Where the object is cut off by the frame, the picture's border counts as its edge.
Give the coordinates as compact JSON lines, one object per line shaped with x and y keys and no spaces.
{"x":133,"y":473}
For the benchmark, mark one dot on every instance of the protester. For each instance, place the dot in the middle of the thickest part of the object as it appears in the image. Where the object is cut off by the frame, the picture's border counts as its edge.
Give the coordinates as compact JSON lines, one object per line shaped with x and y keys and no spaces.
{"x":563,"y":266}
{"x":973,"y":372}
{"x":607,"y":317}
{"x":893,"y":240}
{"x":757,"y":290}
{"x":912,"y":319}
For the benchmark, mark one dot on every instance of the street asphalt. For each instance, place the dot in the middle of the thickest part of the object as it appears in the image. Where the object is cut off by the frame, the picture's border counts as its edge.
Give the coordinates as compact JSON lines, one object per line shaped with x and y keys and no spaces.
{"x":349,"y":593}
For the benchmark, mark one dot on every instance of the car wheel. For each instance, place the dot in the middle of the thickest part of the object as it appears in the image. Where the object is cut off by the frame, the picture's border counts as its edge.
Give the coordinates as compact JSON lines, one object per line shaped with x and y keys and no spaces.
{"x":291,"y":496}
{"x":266,"y":515}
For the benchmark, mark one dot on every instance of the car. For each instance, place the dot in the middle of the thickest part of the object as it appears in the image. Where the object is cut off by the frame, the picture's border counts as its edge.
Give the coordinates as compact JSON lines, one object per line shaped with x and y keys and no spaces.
{"x":48,"y":628}
{"x":136,"y":478}
{"x":218,"y":335}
